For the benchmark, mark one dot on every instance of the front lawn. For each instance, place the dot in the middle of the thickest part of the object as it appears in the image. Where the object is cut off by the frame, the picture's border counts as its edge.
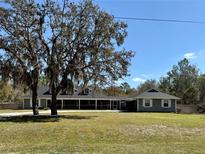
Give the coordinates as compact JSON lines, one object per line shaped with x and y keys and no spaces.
{"x":105,"y":133}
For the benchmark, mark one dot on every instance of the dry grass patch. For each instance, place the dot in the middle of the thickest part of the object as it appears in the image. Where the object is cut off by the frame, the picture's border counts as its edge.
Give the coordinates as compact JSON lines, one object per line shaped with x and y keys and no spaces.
{"x":160,"y":130}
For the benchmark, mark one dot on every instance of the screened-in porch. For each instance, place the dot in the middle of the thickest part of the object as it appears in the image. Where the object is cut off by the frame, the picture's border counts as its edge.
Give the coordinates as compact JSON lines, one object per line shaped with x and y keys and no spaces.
{"x":80,"y":104}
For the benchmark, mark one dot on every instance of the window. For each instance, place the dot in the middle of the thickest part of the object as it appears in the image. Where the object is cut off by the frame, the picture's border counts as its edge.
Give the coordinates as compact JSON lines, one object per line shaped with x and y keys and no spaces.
{"x":147,"y":103}
{"x":166,"y":103}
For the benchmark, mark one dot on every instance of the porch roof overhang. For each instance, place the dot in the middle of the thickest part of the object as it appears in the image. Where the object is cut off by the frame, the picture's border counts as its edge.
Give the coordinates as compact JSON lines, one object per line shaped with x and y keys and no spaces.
{"x":78,"y":97}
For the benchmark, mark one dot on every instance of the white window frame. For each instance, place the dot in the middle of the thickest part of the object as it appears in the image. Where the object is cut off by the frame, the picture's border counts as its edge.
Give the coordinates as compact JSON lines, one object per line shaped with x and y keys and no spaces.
{"x":169,"y":103}
{"x":149,"y":103}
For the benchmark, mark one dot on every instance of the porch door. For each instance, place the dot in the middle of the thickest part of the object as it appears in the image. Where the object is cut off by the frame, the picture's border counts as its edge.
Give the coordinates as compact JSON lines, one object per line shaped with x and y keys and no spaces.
{"x":114,"y":105}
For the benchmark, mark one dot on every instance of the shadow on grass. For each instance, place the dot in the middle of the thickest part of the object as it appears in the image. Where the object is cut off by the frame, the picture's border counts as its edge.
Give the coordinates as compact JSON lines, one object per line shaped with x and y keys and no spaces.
{"x":42,"y":118}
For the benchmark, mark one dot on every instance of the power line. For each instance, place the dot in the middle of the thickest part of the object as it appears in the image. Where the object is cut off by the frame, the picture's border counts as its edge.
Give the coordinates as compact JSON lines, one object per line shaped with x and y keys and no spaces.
{"x":161,"y":20}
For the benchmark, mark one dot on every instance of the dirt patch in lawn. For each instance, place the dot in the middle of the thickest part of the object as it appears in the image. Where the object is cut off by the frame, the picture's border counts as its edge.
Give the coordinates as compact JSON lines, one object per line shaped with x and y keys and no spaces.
{"x":160,"y":130}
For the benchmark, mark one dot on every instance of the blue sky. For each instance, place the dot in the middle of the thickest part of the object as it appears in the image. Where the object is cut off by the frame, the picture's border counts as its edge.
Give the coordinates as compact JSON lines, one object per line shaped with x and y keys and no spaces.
{"x":160,"y":45}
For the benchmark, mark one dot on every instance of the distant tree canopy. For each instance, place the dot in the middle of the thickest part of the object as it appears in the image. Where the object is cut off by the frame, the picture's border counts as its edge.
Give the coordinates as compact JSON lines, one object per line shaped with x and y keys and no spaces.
{"x":72,"y":44}
{"x":182,"y":81}
{"x":124,"y":89}
{"x":8,"y":94}
{"x":149,"y":84}
{"x":201,"y":87}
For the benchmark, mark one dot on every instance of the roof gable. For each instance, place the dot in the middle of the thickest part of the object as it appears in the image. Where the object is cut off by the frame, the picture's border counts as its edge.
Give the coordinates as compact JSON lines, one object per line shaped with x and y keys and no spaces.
{"x":152,"y":90}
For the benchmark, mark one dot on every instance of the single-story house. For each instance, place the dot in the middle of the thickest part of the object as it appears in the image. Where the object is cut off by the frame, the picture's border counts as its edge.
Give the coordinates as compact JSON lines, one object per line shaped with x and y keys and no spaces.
{"x":87,"y":100}
{"x":149,"y":101}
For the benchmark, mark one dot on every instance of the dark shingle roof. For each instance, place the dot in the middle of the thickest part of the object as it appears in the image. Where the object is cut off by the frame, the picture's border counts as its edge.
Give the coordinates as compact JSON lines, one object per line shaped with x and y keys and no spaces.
{"x":155,"y":94}
{"x":149,"y":94}
{"x":42,"y":94}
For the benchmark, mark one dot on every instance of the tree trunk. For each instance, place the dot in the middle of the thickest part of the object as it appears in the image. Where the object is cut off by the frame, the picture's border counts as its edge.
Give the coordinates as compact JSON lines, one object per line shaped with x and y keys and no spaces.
{"x":34,"y":100}
{"x":54,"y":102}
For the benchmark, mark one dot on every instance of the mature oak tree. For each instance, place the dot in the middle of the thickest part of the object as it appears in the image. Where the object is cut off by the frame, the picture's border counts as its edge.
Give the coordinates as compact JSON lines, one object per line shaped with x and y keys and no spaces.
{"x":19,"y":26}
{"x":75,"y":41}
{"x":80,"y":47}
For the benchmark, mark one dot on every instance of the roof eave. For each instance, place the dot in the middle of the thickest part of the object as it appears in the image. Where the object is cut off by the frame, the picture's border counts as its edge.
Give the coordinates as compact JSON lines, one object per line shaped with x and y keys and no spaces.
{"x":158,"y":98}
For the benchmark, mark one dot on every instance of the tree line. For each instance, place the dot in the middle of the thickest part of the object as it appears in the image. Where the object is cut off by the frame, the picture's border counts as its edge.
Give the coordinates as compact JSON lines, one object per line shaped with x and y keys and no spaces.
{"x":183,"y":80}
{"x":68,"y":44}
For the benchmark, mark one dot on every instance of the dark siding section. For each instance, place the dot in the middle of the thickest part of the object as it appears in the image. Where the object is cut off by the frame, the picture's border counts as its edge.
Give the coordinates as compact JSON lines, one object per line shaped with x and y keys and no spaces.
{"x":156,"y":106}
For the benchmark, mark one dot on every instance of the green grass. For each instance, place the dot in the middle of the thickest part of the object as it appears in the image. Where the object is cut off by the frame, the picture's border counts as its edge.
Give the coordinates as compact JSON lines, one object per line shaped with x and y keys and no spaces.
{"x":105,"y":133}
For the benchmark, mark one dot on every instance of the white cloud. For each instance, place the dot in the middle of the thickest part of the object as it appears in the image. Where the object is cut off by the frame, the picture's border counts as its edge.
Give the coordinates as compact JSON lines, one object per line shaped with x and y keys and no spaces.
{"x":136,"y":79}
{"x":190,"y":55}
